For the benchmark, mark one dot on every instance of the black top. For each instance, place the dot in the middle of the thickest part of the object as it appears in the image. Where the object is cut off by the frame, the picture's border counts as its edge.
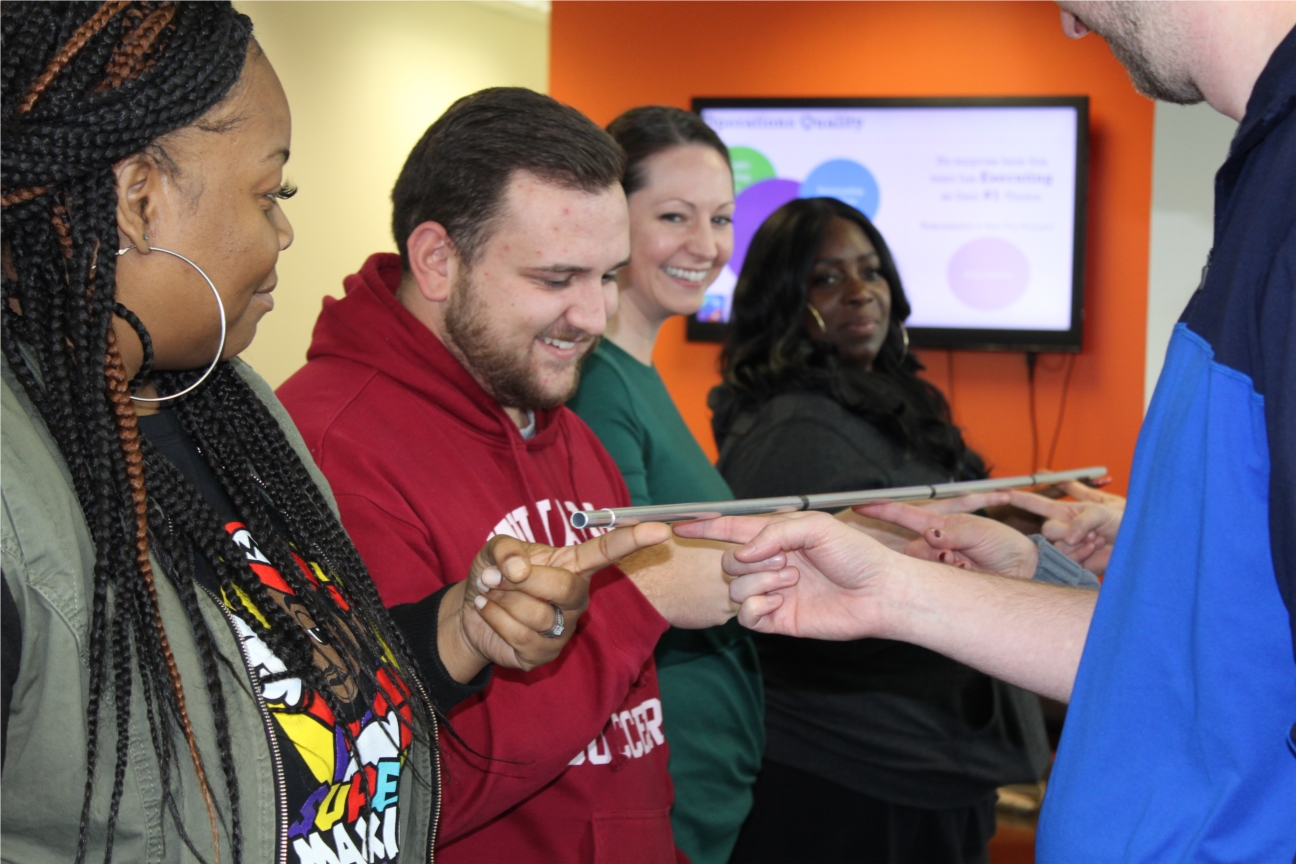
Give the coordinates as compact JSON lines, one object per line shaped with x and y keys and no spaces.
{"x":802,"y":443}
{"x":886,"y":719}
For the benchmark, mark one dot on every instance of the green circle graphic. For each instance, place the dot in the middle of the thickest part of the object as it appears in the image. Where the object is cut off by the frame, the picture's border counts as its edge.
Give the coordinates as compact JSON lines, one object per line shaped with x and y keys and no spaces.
{"x":749,"y":166}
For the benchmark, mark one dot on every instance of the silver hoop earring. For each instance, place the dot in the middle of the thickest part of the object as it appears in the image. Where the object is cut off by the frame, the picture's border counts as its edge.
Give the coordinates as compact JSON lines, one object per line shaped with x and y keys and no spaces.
{"x":220,"y":306}
{"x":823,"y":328}
{"x":904,"y":334}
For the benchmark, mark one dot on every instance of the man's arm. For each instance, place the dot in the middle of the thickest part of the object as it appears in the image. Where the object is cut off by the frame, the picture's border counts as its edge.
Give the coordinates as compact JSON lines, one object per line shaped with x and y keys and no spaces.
{"x":1026,"y":633}
{"x":811,"y":576}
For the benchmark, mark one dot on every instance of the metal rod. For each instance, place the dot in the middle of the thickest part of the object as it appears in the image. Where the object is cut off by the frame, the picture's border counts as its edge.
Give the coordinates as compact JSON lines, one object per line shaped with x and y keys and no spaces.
{"x":610,"y":518}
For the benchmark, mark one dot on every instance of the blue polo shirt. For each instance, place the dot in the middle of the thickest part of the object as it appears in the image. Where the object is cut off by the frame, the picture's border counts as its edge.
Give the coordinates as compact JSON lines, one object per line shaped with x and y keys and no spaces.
{"x":1178,"y":743}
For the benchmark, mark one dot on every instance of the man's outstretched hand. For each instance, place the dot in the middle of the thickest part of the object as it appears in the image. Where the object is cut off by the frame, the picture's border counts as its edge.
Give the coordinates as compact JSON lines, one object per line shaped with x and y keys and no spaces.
{"x":810,"y":575}
{"x":804,"y":574}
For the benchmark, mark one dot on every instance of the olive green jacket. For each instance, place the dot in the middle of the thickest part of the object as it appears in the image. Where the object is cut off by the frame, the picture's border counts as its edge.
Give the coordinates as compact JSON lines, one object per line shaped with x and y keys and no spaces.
{"x":48,"y":563}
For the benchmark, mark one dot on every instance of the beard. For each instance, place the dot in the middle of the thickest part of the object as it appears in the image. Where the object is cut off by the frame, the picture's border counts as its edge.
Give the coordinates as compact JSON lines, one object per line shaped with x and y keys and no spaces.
{"x":1148,"y":47}
{"x":506,"y":374}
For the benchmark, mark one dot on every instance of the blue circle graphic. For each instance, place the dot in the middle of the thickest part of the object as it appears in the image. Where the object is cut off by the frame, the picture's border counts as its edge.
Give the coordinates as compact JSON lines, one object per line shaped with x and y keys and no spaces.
{"x":846,"y":180}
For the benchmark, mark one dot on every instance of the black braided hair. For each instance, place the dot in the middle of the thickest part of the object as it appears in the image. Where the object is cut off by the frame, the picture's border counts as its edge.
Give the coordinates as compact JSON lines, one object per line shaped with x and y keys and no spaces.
{"x":84,"y":86}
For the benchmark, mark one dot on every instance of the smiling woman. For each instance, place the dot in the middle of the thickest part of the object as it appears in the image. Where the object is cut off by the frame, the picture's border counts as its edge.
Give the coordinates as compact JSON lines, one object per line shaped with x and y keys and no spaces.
{"x":187,"y":629}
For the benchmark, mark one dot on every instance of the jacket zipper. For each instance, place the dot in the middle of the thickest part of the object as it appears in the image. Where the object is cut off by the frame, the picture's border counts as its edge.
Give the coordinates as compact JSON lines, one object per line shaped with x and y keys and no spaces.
{"x":281,"y":816}
{"x":436,"y":763}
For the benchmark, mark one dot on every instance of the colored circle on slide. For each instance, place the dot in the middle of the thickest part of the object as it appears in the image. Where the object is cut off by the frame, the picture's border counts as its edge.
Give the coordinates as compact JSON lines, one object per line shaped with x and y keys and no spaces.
{"x":751,"y":208}
{"x":847,"y":181}
{"x":988,"y":273}
{"x":749,"y":166}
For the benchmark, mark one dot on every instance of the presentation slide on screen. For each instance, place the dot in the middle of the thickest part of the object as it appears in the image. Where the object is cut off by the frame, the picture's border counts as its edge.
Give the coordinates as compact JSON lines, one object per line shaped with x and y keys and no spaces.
{"x":976,"y":203}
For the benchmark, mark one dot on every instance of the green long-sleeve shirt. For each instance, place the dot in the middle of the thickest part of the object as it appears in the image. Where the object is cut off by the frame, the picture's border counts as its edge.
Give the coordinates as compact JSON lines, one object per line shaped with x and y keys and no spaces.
{"x":710,"y":681}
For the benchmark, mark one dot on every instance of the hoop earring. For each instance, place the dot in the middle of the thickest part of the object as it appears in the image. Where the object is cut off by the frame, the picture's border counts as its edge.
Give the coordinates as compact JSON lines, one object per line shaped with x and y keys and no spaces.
{"x":220,"y":306}
{"x":823,"y":328}
{"x":146,"y":341}
{"x":904,"y":334}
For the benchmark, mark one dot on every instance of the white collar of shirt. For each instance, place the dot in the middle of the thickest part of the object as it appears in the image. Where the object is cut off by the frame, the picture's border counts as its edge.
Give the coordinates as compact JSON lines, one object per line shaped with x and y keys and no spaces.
{"x":528,"y":431}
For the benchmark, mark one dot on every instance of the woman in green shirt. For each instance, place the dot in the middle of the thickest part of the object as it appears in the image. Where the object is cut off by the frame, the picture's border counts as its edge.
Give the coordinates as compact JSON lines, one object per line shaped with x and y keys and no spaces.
{"x":680,"y":191}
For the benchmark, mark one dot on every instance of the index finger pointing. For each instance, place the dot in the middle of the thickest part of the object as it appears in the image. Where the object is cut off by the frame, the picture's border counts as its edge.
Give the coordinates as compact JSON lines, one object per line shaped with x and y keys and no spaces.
{"x":1081,"y":492}
{"x":916,"y":519}
{"x":967,"y":503}
{"x":728,"y":529}
{"x":1041,"y":506}
{"x":607,"y":549}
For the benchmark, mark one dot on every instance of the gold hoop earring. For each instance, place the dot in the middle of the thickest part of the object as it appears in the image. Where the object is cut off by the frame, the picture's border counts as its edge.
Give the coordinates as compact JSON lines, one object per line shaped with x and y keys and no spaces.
{"x":220,"y":306}
{"x":818,"y":318}
{"x":904,"y":334}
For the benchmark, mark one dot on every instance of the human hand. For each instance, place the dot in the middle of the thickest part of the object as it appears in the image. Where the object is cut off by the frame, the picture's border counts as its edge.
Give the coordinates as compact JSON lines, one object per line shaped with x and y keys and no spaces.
{"x":803,"y":574}
{"x":963,"y":540}
{"x":964,"y":503}
{"x":1084,"y":529}
{"x":684,"y":582}
{"x":897,"y":537}
{"x":498,"y":614}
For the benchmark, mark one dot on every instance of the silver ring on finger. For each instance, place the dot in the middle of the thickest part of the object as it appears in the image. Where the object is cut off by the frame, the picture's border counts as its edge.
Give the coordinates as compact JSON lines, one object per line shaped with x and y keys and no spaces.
{"x":559,"y":624}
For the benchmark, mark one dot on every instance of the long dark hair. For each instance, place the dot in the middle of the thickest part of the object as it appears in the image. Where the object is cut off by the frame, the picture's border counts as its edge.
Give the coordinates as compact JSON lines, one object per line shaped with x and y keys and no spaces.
{"x":649,"y":129}
{"x":84,"y":86}
{"x":768,"y":352}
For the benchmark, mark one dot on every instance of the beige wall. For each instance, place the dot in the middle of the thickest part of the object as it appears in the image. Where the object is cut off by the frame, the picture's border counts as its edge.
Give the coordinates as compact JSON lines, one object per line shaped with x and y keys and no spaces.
{"x":364,"y":80}
{"x":1191,"y":143}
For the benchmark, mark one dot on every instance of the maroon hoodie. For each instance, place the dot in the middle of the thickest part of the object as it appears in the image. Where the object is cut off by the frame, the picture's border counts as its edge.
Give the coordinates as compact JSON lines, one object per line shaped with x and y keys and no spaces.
{"x":570,"y":759}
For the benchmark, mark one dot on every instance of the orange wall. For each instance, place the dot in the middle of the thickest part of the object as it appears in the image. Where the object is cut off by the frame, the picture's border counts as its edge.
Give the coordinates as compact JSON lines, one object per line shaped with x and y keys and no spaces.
{"x":607,"y":57}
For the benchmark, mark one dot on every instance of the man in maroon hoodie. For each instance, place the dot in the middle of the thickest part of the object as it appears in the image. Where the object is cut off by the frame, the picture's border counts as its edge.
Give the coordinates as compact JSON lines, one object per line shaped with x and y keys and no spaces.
{"x":432,"y":400}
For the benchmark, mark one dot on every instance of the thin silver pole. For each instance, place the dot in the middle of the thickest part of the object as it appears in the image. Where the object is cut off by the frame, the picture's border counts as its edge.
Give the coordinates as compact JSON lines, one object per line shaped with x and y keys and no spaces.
{"x":610,"y":518}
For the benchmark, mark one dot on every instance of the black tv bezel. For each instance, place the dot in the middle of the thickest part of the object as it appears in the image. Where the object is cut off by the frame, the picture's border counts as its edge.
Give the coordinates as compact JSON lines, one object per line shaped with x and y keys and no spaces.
{"x":1059,"y":341}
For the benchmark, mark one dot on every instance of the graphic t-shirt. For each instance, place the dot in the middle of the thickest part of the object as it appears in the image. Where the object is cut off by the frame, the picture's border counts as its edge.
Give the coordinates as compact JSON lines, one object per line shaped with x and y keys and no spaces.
{"x":340,"y":774}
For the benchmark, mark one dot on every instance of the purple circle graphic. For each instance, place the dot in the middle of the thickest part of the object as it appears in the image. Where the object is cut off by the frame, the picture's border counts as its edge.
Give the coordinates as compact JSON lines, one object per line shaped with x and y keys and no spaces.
{"x":988,"y":273}
{"x":751,"y":208}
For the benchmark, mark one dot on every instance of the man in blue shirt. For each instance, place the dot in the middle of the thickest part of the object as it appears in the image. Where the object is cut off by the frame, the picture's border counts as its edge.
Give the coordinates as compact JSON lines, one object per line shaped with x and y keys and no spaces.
{"x":1180,"y":742}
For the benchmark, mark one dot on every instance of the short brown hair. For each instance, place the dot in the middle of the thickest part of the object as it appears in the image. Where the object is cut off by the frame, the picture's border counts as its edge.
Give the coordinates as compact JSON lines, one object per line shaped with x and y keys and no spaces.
{"x":457,"y":173}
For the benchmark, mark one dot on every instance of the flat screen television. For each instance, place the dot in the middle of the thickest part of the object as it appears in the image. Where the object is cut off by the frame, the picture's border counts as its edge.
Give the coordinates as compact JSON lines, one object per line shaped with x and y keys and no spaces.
{"x":982,"y":201}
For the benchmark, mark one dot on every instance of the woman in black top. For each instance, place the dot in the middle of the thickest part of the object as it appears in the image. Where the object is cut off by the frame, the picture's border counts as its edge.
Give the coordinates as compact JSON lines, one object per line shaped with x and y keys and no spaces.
{"x":877,"y":750}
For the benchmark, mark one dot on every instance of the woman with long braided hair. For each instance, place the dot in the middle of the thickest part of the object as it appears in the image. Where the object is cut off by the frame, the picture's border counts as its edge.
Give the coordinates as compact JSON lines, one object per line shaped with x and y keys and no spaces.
{"x":196,"y":663}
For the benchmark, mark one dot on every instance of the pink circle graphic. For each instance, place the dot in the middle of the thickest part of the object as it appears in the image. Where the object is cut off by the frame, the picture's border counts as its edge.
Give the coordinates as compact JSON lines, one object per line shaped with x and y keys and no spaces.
{"x":988,"y":273}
